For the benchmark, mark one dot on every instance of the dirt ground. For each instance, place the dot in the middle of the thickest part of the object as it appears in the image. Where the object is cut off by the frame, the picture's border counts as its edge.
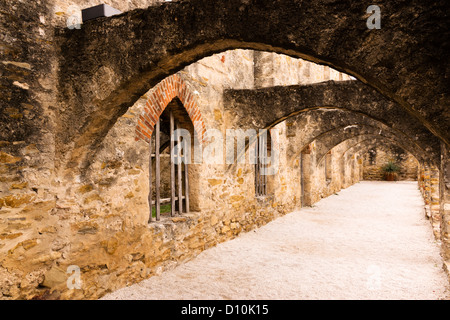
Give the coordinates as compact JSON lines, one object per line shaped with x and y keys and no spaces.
{"x":370,"y":241}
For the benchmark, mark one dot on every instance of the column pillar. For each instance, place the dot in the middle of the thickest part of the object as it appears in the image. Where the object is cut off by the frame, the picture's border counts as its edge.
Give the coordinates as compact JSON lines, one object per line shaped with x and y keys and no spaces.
{"x":444,"y":196}
{"x":434,"y":201}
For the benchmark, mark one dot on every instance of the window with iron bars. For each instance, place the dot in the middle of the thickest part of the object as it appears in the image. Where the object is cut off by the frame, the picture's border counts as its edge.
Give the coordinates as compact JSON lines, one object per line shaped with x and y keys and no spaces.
{"x":168,"y":179}
{"x":262,"y":154}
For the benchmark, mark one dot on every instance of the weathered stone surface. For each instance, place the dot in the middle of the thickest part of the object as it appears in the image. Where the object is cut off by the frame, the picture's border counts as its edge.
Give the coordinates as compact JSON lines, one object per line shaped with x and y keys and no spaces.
{"x":49,"y":229}
{"x":215,"y":182}
{"x":5,"y":236}
{"x":247,"y":106}
{"x":88,"y":227}
{"x":380,"y":155}
{"x":256,"y":26}
{"x":74,"y":180}
{"x":54,"y":277}
{"x":8,"y":159}
{"x":22,"y":185}
{"x":15,"y":201}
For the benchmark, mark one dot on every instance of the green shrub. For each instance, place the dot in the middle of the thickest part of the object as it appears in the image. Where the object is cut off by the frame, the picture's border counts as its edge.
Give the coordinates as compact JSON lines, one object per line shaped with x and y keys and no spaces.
{"x":391,"y":167}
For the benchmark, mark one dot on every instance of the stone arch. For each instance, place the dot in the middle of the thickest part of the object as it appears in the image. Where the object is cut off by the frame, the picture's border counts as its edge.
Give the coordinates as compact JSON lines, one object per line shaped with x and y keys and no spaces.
{"x":158,"y":99}
{"x":330,"y":139}
{"x":361,"y":148}
{"x":368,"y":141}
{"x":335,"y":125}
{"x":354,"y":145}
{"x":161,"y":40}
{"x":353,"y":96}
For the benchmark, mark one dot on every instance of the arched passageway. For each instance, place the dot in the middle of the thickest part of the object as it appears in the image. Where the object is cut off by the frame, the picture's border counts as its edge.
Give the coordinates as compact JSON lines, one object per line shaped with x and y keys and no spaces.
{"x":348,"y":96}
{"x":75,"y":180}
{"x":370,"y":241}
{"x":161,"y":40}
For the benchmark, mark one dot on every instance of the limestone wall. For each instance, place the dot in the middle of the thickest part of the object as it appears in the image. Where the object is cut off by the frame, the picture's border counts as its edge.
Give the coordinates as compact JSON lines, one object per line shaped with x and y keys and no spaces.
{"x":69,"y":12}
{"x":377,"y":157}
{"x":428,"y":180}
{"x":28,"y":66}
{"x":273,"y":69}
{"x":50,"y":220}
{"x":343,"y":169}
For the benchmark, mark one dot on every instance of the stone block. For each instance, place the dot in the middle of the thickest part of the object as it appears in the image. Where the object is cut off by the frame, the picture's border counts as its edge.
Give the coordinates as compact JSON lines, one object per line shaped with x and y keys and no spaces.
{"x":9,"y":236}
{"x":85,"y":188}
{"x":86,"y":227}
{"x":28,"y":244}
{"x":54,"y":277}
{"x":215,"y":182}
{"x":17,"y":200}
{"x":19,"y":186}
{"x":102,"y":10}
{"x":214,"y":220}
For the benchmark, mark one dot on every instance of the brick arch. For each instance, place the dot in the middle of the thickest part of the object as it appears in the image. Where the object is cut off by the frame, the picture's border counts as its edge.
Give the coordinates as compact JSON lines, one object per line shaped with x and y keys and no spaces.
{"x":158,"y":99}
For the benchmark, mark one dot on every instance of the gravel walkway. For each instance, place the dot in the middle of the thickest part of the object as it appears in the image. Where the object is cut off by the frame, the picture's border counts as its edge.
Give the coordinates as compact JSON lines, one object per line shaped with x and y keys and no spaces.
{"x":370,"y":241}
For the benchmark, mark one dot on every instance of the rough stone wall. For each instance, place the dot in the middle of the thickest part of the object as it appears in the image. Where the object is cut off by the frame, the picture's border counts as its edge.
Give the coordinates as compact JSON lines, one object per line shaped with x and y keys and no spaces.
{"x":273,"y":69}
{"x":28,"y":67}
{"x":377,"y":157}
{"x":444,"y":196}
{"x":64,"y":11}
{"x":343,"y":171}
{"x":98,"y":221}
{"x":428,"y":183}
{"x":260,"y":27}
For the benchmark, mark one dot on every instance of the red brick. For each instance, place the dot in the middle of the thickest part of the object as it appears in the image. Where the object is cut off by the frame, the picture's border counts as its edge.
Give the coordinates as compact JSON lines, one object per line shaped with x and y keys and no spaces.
{"x":170,"y":85}
{"x":163,"y":93}
{"x":157,"y":95}
{"x":149,"y":118}
{"x":145,"y":126}
{"x":182,"y":92}
{"x":155,"y":99}
{"x":140,"y":135}
{"x":187,"y":98}
{"x":191,"y":107}
{"x":148,"y":124}
{"x":196,"y":115}
{"x":151,"y":101}
{"x":155,"y":110}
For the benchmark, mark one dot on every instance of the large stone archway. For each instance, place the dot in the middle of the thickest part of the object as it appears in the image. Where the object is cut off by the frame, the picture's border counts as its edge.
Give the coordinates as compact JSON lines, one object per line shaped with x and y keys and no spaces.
{"x":332,"y":126}
{"x":160,"y":40}
{"x":333,"y":138}
{"x":353,"y":96}
{"x":74,"y":179}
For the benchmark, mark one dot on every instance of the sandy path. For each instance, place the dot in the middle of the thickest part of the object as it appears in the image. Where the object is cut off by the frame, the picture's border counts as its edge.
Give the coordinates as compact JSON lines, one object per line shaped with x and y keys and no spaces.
{"x":371,"y":241}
